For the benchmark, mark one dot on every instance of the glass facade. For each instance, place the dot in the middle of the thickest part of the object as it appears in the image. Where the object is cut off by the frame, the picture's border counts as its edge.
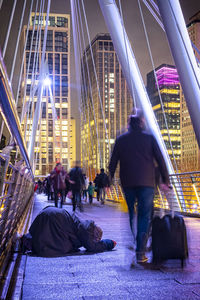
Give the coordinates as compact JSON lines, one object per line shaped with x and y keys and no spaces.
{"x":52,"y":138}
{"x":169,"y":87}
{"x":190,"y":154}
{"x":106,"y":105}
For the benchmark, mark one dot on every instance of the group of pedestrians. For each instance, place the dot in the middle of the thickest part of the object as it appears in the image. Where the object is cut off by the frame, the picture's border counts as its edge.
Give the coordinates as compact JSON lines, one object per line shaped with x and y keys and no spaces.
{"x":74,"y":185}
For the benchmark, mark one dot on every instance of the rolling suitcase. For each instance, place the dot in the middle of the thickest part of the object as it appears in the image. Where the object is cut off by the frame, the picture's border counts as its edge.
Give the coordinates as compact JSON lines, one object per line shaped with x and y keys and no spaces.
{"x":169,"y":236}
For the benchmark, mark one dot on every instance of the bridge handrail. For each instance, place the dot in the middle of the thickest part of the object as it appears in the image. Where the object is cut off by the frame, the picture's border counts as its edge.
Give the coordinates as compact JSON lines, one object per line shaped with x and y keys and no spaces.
{"x":9,"y":110}
{"x":184,"y":198}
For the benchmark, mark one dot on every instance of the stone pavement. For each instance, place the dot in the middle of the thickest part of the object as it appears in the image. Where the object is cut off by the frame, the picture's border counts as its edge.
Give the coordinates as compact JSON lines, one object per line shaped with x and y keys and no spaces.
{"x":109,"y":275}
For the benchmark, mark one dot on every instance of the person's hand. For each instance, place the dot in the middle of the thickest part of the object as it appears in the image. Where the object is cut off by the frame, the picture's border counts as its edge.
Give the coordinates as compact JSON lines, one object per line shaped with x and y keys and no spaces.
{"x":71,"y":181}
{"x":114,"y":243}
{"x":165,"y":187}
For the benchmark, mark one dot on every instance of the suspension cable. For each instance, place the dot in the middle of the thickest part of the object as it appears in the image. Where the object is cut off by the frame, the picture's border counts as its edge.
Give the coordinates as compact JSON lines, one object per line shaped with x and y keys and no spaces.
{"x":23,"y":56}
{"x":157,"y":85}
{"x":29,"y":59}
{"x":9,"y":28}
{"x":91,"y":95}
{"x":153,"y":13}
{"x":78,"y":69}
{"x":35,"y":67}
{"x":95,"y":73}
{"x":30,"y":103}
{"x":17,"y":44}
{"x":125,"y":41}
{"x":84,"y":90}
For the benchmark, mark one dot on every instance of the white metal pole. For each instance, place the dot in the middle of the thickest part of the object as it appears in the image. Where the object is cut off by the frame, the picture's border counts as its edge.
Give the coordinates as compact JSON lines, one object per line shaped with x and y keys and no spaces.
{"x":126,"y":58}
{"x":184,"y":58}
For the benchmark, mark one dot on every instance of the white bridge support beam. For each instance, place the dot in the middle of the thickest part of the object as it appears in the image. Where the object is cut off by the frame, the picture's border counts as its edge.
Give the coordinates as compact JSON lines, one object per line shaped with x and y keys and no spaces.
{"x":184,"y":58}
{"x":131,"y":71}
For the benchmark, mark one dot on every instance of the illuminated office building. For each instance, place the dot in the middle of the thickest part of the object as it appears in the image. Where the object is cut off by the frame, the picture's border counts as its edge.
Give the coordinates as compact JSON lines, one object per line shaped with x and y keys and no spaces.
{"x":52,"y":138}
{"x":190,"y":154}
{"x":169,"y":87}
{"x":106,"y":105}
{"x":72,"y":149}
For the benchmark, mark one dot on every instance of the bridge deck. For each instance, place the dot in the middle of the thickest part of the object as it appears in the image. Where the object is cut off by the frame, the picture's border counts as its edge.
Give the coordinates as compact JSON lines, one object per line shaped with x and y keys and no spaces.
{"x":108,"y":275}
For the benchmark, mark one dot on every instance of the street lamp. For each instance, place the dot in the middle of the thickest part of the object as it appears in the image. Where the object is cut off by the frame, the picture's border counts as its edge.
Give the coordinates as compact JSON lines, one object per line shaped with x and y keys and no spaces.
{"x":47,"y":81}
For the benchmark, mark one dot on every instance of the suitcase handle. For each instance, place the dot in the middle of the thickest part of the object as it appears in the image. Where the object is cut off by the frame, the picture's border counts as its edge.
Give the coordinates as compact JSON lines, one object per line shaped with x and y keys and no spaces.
{"x":168,"y":195}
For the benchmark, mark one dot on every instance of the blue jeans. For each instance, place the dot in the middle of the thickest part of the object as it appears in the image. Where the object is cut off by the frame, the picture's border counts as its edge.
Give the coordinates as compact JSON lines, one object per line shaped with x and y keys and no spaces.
{"x":144,"y":197}
{"x":76,"y":200}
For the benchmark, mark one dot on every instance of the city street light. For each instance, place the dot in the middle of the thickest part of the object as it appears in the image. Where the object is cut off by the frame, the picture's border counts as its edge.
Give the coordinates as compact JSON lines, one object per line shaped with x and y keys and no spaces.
{"x":47,"y":81}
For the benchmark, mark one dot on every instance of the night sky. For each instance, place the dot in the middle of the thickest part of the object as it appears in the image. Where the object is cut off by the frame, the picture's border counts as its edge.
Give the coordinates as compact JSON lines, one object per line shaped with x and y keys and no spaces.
{"x":133,"y":25}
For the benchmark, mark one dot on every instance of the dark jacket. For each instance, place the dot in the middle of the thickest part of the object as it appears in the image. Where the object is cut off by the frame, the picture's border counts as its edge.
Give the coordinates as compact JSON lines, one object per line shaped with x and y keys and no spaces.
{"x":76,"y":175}
{"x":136,"y":151}
{"x":102,"y":180}
{"x":55,"y":233}
{"x":58,"y":179}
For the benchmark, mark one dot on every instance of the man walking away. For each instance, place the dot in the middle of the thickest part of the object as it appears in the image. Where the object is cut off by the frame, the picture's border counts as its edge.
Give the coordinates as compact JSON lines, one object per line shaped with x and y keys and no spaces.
{"x":102,"y":183}
{"x":136,"y":152}
{"x":77,"y":183}
{"x":58,"y":176}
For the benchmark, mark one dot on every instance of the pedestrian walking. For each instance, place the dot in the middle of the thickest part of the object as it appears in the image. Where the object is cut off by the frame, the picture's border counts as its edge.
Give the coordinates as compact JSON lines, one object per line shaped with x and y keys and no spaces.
{"x":58,"y":176}
{"x":96,"y":186}
{"x":85,"y":187}
{"x":90,"y":191}
{"x":102,"y":184}
{"x":77,"y":183}
{"x":39,"y":186}
{"x":136,"y":151}
{"x":49,"y":188}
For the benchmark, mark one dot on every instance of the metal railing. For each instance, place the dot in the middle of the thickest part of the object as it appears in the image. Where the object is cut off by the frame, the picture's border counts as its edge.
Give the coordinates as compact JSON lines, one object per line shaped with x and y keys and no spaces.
{"x":16,"y":177}
{"x":183,"y":198}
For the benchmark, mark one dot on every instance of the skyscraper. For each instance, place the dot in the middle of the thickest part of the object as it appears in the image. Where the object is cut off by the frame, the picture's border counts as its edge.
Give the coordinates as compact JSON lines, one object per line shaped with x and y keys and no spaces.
{"x":52,"y":139}
{"x":190,"y":154}
{"x":169,"y":89}
{"x":105,"y":105}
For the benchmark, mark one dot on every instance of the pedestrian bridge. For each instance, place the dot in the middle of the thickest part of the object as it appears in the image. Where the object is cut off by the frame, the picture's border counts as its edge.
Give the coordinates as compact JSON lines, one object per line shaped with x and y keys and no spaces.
{"x":112,"y":274}
{"x":109,"y":275}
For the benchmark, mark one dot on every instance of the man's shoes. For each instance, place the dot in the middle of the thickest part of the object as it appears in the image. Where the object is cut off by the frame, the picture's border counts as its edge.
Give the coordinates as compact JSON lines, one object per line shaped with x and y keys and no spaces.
{"x":141,"y":258}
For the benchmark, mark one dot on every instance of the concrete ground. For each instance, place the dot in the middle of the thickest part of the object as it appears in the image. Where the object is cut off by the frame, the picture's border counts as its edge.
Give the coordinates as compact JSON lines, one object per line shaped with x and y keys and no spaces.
{"x":111,"y":275}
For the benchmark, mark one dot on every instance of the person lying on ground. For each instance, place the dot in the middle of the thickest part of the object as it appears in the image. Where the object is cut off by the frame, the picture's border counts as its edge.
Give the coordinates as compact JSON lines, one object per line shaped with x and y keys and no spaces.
{"x":55,"y":232}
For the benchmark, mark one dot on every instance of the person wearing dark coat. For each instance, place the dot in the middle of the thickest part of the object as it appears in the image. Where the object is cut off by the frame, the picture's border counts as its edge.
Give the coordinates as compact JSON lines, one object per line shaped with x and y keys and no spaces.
{"x":49,"y":188}
{"x":77,"y":182}
{"x":58,"y":177}
{"x":102,"y":183}
{"x":96,"y":186}
{"x":136,"y":151}
{"x":55,"y":232}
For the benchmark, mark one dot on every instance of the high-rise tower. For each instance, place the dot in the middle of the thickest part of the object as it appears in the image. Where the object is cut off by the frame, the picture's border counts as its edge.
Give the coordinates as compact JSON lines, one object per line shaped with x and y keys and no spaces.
{"x":105,"y":106}
{"x":52,"y":139}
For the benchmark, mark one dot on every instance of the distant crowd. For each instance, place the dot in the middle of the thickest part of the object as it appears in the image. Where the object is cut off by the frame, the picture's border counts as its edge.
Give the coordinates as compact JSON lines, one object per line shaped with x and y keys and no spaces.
{"x":59,"y":185}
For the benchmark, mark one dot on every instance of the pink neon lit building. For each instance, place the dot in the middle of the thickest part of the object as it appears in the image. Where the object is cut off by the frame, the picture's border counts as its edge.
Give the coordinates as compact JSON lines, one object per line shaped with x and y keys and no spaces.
{"x":168,"y":86}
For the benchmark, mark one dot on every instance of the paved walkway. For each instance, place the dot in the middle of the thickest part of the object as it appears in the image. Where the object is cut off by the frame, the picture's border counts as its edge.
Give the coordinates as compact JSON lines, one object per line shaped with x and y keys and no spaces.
{"x":109,"y":275}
